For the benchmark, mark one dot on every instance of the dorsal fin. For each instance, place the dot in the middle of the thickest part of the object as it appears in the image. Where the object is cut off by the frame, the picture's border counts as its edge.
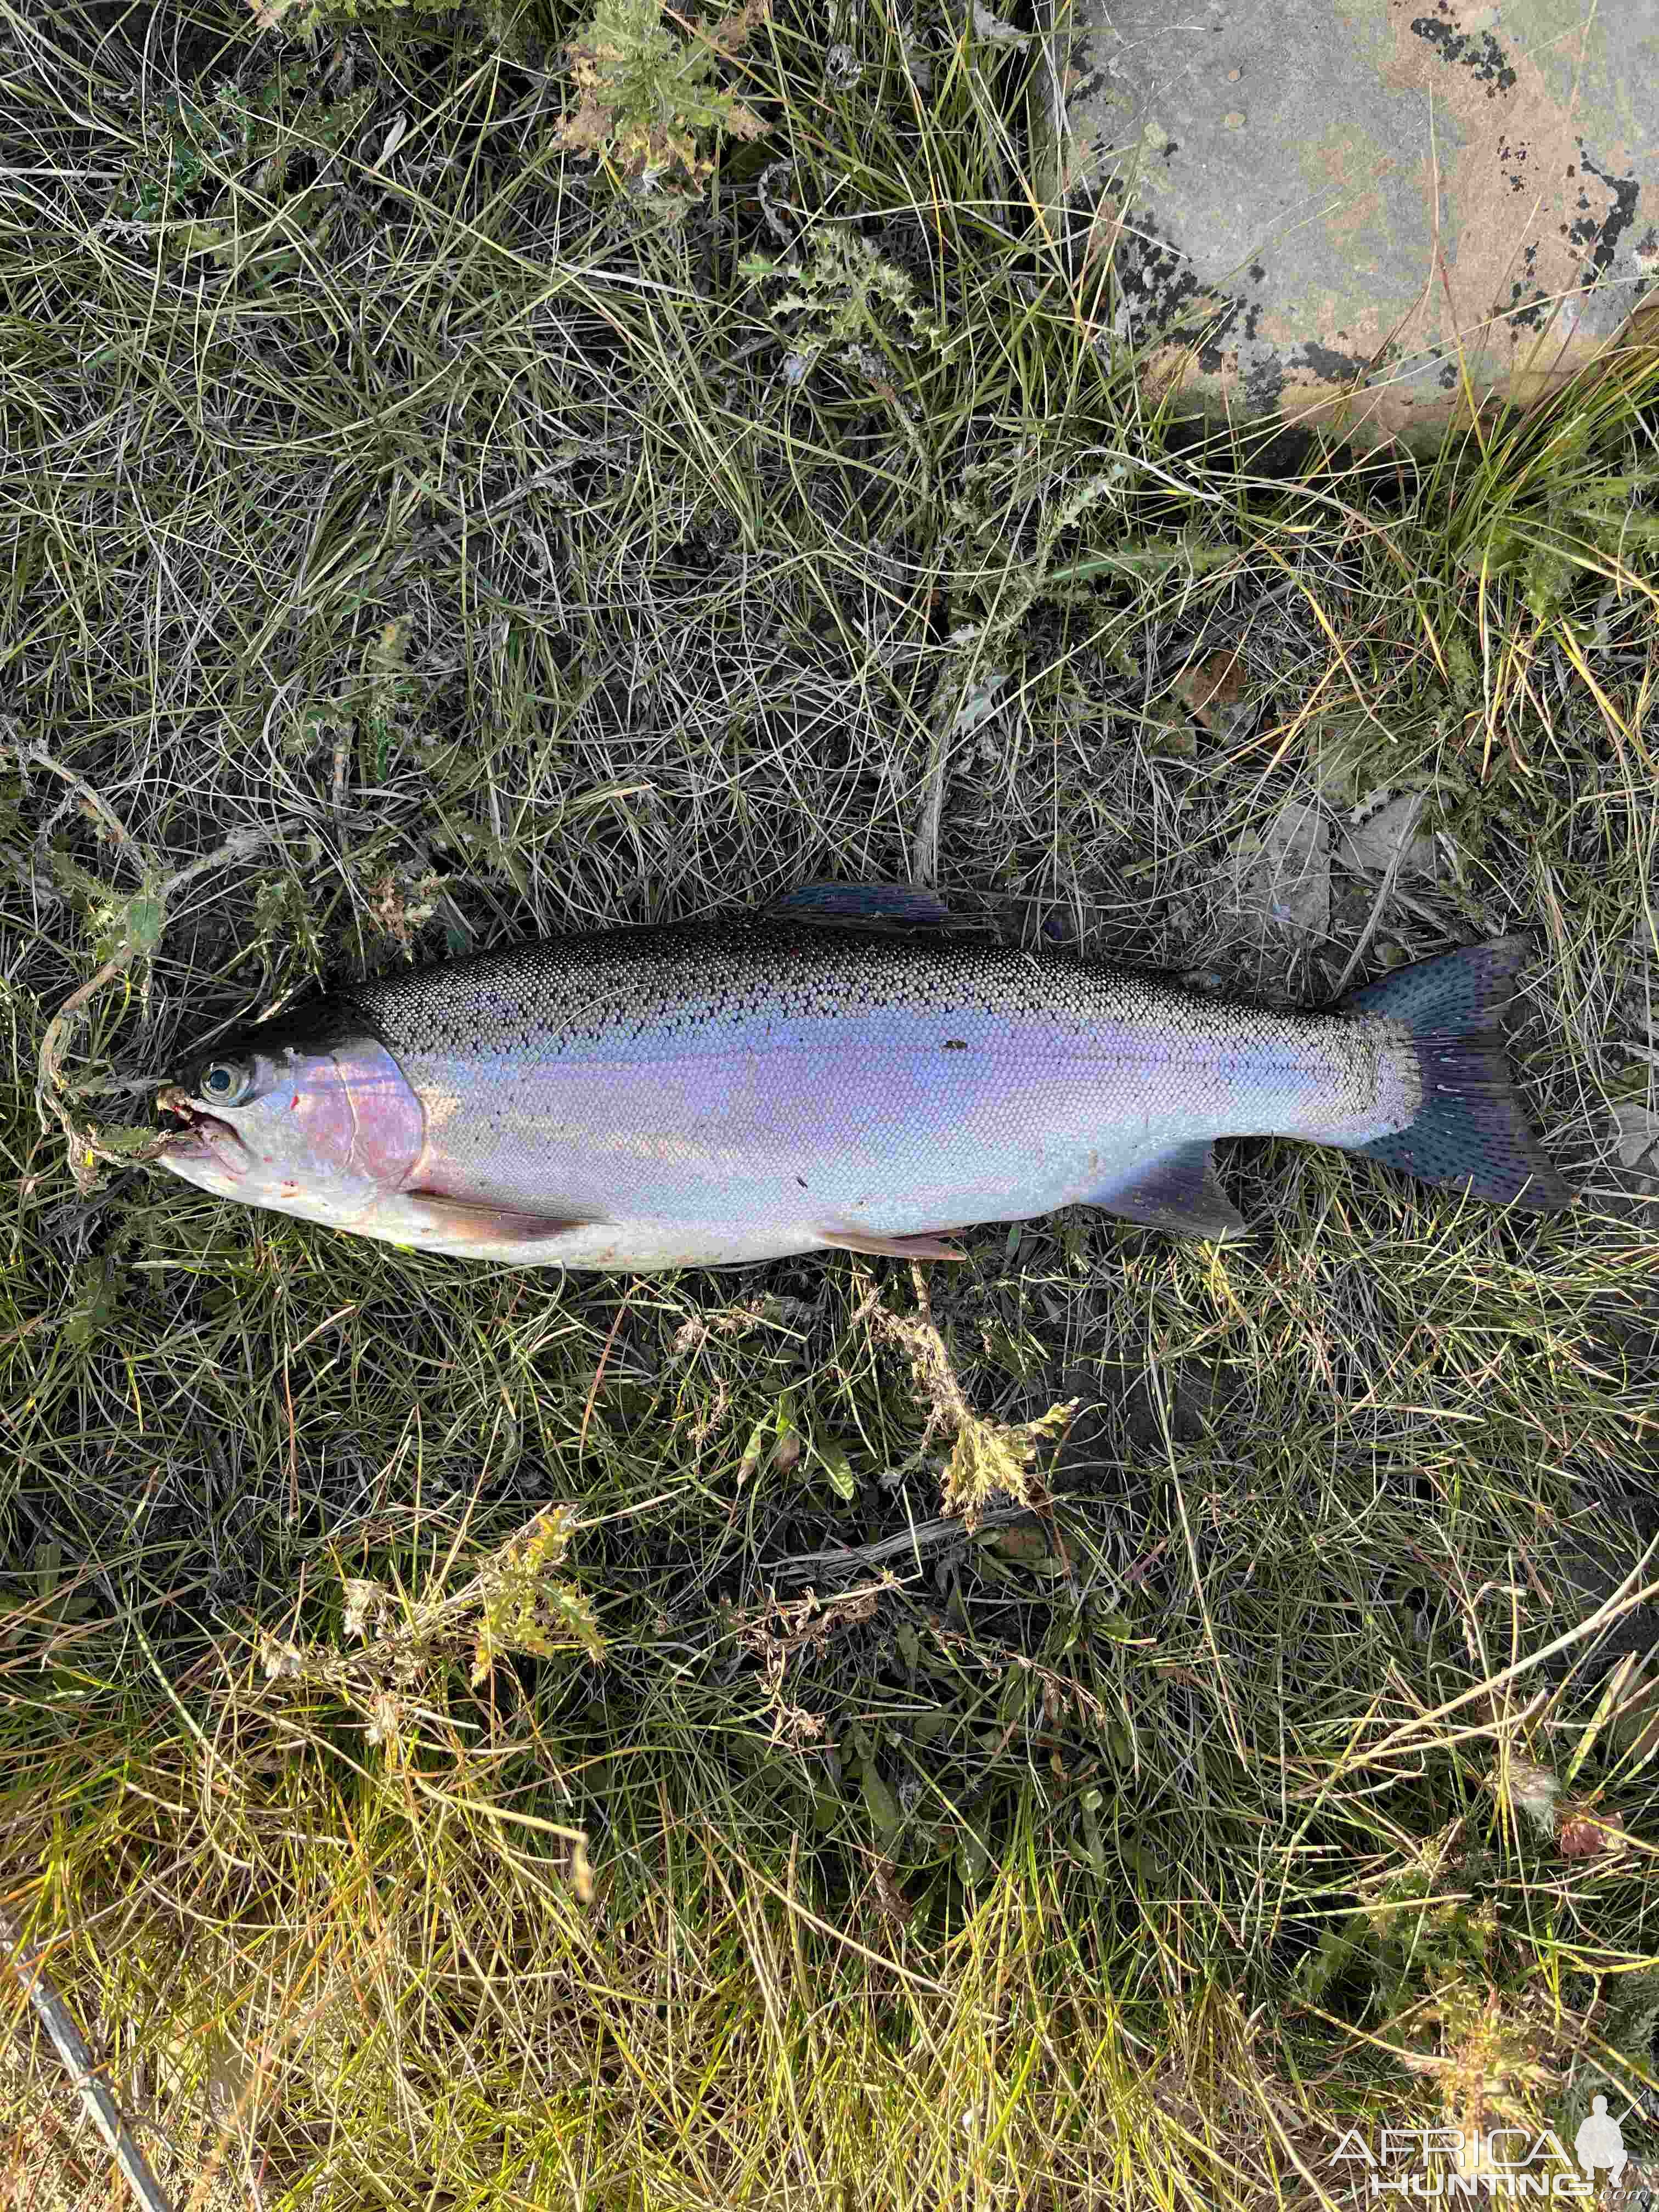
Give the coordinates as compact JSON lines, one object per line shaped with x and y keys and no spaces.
{"x":868,"y":906}
{"x":1179,"y":1191}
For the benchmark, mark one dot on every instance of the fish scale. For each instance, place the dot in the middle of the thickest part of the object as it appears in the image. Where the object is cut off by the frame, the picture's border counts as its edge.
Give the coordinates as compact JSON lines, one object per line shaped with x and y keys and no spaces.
{"x":705,"y":1093}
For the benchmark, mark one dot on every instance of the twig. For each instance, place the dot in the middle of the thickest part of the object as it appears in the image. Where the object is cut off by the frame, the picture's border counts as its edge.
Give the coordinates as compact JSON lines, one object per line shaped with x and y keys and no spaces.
{"x":598,"y":1375}
{"x":30,"y":756}
{"x":59,"y":2023}
{"x":927,"y":1536}
{"x":930,"y":813}
{"x":52,"y":1044}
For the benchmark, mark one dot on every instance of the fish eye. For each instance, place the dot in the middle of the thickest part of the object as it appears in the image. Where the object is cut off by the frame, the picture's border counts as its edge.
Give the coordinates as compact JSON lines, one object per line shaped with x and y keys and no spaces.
{"x":226,"y":1082}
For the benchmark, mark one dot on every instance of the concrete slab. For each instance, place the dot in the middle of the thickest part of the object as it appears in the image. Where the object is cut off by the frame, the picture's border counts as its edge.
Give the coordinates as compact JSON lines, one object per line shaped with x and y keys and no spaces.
{"x":1373,"y":214}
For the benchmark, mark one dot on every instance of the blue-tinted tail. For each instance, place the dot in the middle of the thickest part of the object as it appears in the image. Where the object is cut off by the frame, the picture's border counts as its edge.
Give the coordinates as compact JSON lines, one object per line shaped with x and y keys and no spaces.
{"x":1471,"y":1131}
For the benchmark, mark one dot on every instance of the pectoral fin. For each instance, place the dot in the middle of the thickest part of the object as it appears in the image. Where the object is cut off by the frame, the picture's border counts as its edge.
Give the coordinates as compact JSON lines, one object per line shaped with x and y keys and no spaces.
{"x":1179,"y":1191}
{"x":893,"y":1248}
{"x":480,"y":1221}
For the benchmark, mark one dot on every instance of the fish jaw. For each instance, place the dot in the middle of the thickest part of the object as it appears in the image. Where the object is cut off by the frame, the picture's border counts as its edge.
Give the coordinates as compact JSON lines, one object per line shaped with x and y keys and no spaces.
{"x":326,"y":1131}
{"x":207,"y":1152}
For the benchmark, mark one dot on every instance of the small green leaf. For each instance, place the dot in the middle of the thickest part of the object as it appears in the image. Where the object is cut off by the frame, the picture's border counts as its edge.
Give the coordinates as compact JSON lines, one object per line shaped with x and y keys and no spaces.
{"x":126,"y":1142}
{"x":146,"y":917}
{"x":973,"y":1857}
{"x":826,"y":1812}
{"x":759,"y":1436}
{"x":838,"y":1468}
{"x":880,"y":1803}
{"x":1094,"y":1848}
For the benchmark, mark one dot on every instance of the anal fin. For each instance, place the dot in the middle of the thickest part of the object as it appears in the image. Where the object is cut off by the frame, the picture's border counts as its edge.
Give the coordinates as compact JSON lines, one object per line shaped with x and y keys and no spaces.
{"x":482,"y":1221}
{"x":892,"y":1247}
{"x":1179,"y":1191}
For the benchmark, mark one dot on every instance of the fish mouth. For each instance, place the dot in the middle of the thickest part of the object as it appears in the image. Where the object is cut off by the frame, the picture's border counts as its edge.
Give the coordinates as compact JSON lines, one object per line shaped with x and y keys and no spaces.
{"x":204,"y":1140}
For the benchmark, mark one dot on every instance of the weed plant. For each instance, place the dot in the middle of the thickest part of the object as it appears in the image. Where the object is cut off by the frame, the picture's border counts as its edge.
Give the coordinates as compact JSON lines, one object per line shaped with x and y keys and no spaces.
{"x":435,"y":1752}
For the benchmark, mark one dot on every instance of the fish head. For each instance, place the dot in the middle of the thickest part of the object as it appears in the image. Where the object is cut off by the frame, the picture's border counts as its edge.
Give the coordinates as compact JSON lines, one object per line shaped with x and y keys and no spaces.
{"x":310,"y":1114}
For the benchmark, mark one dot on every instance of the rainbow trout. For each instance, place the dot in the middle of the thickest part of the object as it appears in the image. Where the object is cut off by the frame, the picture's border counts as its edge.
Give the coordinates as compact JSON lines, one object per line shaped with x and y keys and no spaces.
{"x":711,"y":1092}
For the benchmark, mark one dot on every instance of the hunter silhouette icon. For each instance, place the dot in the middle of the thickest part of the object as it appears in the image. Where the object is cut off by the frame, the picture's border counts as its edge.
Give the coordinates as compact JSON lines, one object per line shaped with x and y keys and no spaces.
{"x":1600,"y":2142}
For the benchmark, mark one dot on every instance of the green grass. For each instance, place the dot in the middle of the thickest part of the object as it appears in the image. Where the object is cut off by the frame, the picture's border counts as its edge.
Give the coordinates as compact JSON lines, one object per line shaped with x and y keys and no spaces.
{"x":476,"y":548}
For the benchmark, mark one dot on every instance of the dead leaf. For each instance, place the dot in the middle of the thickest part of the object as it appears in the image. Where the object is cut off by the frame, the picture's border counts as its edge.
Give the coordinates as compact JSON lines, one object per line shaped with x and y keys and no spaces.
{"x":997,"y":32}
{"x":1382,"y":833}
{"x":979,"y":700}
{"x":1018,"y":1543}
{"x":1581,"y":1836}
{"x":1628,"y":1182}
{"x":394,"y":138}
{"x":1213,"y":689}
{"x":890,"y":1899}
{"x":1284,"y":877}
{"x":1636,"y":1137}
{"x":581,"y":1870}
{"x":1167,"y":734}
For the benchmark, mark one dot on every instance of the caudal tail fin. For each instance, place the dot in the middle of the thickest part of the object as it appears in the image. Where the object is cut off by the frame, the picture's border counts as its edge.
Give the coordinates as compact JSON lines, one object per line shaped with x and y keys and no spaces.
{"x":1470,"y":1131}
